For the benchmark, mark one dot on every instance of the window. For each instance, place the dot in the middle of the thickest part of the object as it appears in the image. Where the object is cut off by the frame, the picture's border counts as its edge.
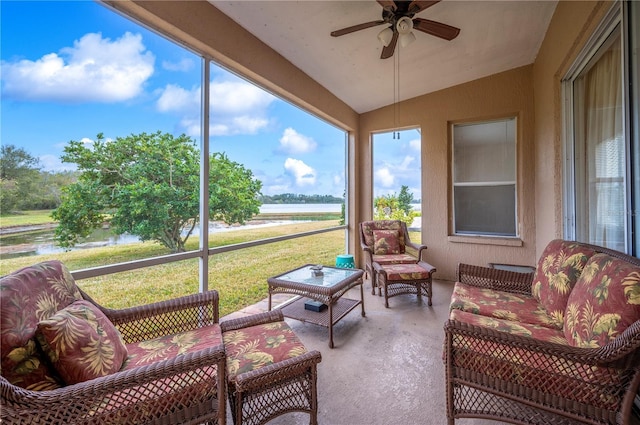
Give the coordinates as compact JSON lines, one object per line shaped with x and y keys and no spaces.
{"x":397,"y":176}
{"x":601,"y":159}
{"x":484,"y":178}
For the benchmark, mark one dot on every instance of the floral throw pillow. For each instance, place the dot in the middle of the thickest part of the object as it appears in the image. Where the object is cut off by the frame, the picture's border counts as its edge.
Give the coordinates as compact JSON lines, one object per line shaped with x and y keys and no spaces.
{"x":386,"y":242}
{"x":604,"y":302}
{"x":81,"y":343}
{"x":558,"y":270}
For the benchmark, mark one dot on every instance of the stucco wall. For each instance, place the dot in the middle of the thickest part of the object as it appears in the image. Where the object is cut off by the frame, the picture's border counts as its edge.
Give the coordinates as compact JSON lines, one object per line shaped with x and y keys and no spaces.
{"x":501,"y":95}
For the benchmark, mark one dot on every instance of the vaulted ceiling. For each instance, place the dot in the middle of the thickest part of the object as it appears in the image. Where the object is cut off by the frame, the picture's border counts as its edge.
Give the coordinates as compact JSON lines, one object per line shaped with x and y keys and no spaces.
{"x":495,"y":36}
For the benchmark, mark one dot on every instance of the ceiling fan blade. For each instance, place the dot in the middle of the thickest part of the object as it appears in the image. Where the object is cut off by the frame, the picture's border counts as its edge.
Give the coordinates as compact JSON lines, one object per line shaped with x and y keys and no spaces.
{"x":355,"y":28}
{"x":436,"y":28}
{"x":388,"y":4}
{"x":387,"y":52}
{"x":418,"y":6}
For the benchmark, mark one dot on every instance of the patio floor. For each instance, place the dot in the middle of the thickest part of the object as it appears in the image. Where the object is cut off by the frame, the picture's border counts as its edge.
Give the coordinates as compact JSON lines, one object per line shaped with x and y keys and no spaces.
{"x":386,"y":368}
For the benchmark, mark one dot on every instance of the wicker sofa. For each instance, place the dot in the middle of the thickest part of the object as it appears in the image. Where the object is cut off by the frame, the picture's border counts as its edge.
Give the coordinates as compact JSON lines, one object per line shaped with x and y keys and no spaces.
{"x":560,"y":345}
{"x":66,"y":360}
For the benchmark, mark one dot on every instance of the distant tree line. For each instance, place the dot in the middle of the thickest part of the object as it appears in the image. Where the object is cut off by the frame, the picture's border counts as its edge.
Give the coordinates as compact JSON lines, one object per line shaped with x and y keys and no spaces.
{"x":23,"y":184}
{"x":293,"y":198}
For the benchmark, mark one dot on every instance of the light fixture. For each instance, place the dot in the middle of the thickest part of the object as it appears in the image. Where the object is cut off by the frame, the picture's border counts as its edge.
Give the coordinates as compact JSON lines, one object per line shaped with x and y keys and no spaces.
{"x":404,"y":27}
{"x":385,"y":36}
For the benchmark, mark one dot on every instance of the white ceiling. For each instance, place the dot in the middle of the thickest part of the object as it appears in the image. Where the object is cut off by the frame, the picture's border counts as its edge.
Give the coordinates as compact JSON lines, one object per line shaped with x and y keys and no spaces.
{"x":495,"y":36}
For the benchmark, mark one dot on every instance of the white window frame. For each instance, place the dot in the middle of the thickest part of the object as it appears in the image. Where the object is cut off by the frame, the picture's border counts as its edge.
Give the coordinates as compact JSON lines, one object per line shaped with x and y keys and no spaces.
{"x":454,"y":184}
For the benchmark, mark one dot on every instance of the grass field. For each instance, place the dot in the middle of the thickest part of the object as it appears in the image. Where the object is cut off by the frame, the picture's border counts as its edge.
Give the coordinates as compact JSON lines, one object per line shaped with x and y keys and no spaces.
{"x":239,"y":276}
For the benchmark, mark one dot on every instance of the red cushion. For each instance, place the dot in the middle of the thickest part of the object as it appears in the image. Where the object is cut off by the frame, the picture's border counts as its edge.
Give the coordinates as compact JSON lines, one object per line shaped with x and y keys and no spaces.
{"x":386,"y":242}
{"x":501,"y":305}
{"x":369,"y":226}
{"x":394,"y":259}
{"x":27,"y":296}
{"x":171,"y":346}
{"x":558,"y":270}
{"x":604,"y":302}
{"x":81,"y":343}
{"x":257,"y":346}
{"x":406,"y":272}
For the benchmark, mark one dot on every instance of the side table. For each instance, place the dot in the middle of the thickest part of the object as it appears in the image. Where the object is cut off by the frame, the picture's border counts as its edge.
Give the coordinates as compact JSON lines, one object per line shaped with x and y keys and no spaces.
{"x":328,"y":289}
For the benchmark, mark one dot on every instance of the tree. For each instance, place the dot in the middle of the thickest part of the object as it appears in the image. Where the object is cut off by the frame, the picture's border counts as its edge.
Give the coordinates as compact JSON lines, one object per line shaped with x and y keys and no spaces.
{"x":18,"y":177}
{"x":148,"y":185}
{"x":389,"y":208}
{"x":405,"y":199}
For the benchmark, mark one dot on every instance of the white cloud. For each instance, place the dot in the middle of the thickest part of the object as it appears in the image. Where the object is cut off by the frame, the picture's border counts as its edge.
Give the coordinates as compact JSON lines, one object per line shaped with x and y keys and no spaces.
{"x":237,"y":107}
{"x":384,"y":177}
{"x":303,"y":174}
{"x":53,"y":163}
{"x":95,"y":69}
{"x":406,"y":163}
{"x":415,"y":145}
{"x":293,"y":142}
{"x":184,"y":65}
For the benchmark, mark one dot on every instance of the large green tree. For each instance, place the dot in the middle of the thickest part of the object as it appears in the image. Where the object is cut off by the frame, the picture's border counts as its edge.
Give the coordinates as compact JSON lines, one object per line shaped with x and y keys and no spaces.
{"x":148,"y":185}
{"x":19,"y":172}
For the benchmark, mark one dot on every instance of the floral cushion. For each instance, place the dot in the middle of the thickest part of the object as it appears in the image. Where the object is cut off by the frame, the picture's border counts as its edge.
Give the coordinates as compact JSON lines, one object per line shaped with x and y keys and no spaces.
{"x":170,"y":346}
{"x":386,"y":242}
{"x":369,"y":226}
{"x":81,"y":343}
{"x":540,"y":333}
{"x":604,"y":302}
{"x":535,"y":369}
{"x":500,"y":305}
{"x":394,"y":259}
{"x":408,"y":272}
{"x":559,"y":268}
{"x":28,"y":296}
{"x":257,"y":346}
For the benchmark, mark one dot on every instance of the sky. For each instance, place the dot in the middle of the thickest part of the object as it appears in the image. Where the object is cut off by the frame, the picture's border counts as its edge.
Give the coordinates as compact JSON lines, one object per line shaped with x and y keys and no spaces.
{"x":73,"y":69}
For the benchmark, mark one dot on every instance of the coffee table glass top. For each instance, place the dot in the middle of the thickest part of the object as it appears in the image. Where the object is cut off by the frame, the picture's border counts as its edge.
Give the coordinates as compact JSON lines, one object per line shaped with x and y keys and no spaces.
{"x":331,"y":276}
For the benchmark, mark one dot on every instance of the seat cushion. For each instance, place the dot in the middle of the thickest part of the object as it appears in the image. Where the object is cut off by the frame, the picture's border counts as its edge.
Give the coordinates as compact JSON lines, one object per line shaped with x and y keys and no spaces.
{"x":170,"y":346}
{"x":81,"y":343}
{"x":501,"y":305}
{"x":557,"y":272}
{"x":394,"y":259}
{"x":604,"y":302}
{"x":28,"y":296}
{"x":257,"y":346}
{"x":405,"y":272}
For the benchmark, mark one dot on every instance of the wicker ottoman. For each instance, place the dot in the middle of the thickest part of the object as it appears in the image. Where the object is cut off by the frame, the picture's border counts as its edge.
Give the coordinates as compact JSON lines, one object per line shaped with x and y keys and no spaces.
{"x":270,"y":372}
{"x":397,"y":279}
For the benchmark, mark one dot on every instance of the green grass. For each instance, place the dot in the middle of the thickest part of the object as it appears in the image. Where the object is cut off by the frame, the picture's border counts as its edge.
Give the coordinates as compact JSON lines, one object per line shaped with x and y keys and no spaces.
{"x":26,"y":218}
{"x":239,"y":276}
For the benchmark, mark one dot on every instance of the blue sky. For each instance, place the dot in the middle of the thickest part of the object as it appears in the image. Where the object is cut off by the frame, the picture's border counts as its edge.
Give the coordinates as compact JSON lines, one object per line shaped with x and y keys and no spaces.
{"x":71,"y":70}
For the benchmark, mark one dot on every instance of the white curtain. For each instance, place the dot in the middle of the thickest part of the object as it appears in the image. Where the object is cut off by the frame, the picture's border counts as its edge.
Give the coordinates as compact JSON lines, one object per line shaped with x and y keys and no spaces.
{"x":605,"y":151}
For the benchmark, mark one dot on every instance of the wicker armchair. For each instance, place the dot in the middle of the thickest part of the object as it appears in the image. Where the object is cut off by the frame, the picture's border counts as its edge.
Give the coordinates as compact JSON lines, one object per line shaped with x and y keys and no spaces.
{"x":174,"y":371}
{"x":499,"y":365}
{"x":378,"y":247}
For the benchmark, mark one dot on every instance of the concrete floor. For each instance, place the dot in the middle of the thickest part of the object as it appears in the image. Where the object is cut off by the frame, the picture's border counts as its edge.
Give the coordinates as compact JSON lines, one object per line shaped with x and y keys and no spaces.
{"x":386,"y":368}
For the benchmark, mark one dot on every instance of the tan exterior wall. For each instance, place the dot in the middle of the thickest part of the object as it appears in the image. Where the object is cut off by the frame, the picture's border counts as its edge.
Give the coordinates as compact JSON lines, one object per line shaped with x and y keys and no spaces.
{"x":572,"y":24}
{"x":502,"y":95}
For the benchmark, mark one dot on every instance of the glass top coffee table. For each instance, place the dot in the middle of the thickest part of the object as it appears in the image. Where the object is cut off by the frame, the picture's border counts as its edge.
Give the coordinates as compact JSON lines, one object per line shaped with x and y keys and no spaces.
{"x":326,"y":289}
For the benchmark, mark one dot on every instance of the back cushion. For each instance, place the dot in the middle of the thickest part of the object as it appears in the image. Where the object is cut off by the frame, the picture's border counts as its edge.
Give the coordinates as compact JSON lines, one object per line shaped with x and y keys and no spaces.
{"x":558,"y":270}
{"x":28,"y":296}
{"x":368,"y":228}
{"x":604,"y":302}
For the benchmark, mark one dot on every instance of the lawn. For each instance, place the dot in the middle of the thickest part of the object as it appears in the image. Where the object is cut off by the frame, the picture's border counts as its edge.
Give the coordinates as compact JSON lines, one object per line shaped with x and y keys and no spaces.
{"x":239,"y":276}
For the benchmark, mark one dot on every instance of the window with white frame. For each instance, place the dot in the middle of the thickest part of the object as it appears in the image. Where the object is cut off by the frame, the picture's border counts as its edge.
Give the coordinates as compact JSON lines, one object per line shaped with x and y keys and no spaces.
{"x":599,"y":171}
{"x":484,"y":178}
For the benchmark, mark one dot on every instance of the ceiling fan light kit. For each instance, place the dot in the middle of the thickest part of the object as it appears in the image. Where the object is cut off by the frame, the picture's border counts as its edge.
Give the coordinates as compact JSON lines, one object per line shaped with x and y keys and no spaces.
{"x":399,"y":15}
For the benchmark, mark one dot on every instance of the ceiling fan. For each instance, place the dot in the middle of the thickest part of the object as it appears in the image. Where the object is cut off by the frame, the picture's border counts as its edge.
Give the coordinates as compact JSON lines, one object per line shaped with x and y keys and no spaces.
{"x":399,"y":15}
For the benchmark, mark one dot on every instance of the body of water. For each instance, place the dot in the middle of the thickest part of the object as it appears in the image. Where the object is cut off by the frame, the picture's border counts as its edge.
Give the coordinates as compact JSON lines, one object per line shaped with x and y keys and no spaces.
{"x":41,"y":242}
